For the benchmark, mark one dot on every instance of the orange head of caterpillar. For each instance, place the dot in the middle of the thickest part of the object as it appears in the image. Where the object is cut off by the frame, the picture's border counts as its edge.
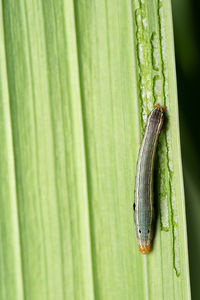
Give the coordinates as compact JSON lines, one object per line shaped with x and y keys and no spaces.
{"x":144,"y":247}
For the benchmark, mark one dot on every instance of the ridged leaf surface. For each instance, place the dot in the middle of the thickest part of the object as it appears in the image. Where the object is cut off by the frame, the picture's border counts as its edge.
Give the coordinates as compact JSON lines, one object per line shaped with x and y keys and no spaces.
{"x":77,"y":80}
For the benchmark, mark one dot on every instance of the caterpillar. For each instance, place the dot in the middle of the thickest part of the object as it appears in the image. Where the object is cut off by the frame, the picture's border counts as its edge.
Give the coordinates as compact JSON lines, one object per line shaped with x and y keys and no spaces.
{"x":143,"y":193}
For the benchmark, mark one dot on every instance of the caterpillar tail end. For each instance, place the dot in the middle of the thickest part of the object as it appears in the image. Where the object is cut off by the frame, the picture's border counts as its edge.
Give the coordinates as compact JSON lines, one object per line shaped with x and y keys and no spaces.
{"x":161,"y":107}
{"x":144,"y":248}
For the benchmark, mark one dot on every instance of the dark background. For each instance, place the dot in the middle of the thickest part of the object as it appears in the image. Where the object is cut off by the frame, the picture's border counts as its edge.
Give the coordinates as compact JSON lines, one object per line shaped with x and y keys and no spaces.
{"x":186,"y":17}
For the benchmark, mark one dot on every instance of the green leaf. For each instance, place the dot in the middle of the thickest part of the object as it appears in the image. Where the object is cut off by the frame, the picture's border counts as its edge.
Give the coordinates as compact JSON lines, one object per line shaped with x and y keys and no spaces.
{"x":77,"y":81}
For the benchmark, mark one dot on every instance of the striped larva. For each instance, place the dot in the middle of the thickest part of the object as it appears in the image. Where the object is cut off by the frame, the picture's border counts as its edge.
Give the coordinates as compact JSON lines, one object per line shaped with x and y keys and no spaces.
{"x":143,"y":202}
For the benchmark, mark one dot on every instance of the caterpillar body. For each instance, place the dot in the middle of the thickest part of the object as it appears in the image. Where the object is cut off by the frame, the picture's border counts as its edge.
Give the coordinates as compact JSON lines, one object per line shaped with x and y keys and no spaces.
{"x":143,"y":194}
